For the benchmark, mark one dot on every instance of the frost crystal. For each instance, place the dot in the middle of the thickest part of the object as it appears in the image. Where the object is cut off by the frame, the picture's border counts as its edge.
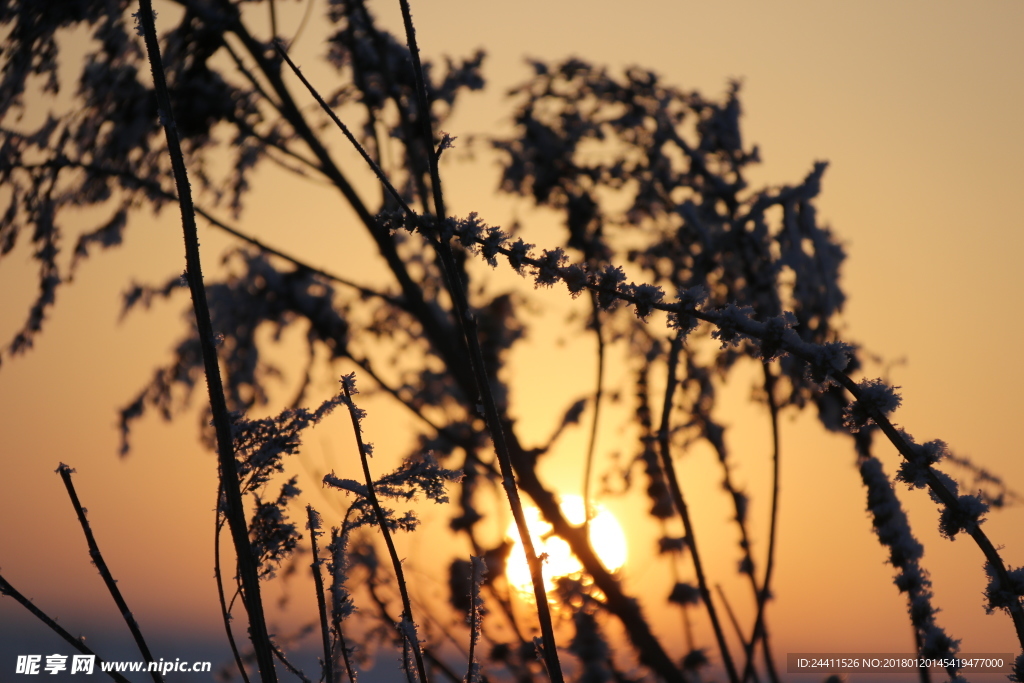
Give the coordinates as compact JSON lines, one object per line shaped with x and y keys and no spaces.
{"x":964,"y":516}
{"x":519,"y":252}
{"x":647,"y":297}
{"x":550,"y":269}
{"x":575,"y":279}
{"x":876,"y":397}
{"x":490,"y":245}
{"x":1000,"y":596}
{"x":828,"y":359}
{"x":608,"y":287}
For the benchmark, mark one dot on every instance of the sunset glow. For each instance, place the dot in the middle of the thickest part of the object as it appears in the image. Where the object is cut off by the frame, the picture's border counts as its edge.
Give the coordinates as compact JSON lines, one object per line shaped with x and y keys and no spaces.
{"x":606,"y":536}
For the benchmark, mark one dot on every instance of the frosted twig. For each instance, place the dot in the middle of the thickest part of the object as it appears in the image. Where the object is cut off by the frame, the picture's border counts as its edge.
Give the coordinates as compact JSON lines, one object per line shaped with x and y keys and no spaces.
{"x":313,"y":524}
{"x":10,"y":591}
{"x":108,"y":579}
{"x":409,"y":635}
{"x":234,"y":510}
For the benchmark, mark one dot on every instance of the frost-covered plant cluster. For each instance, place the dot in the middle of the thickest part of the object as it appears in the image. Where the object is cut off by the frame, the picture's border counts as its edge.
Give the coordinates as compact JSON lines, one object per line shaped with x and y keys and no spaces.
{"x":685,"y":271}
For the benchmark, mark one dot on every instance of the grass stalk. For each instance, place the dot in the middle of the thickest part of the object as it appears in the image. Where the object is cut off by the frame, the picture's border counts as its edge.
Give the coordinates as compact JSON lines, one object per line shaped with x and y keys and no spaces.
{"x":945,"y":495}
{"x":748,"y":645}
{"x":737,"y":324}
{"x":762,"y":592}
{"x":225,"y":611}
{"x":321,"y":601}
{"x":101,"y":566}
{"x":7,"y":589}
{"x":598,"y":395}
{"x":477,"y":572}
{"x":467,"y":326}
{"x":234,"y":507}
{"x":336,"y":536}
{"x":680,"y":503}
{"x":407,"y":628}
{"x":466,"y":322}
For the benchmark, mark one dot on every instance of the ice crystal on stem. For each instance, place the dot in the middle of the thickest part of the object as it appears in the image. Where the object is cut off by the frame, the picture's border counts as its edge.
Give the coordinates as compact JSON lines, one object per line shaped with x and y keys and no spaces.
{"x":876,"y":397}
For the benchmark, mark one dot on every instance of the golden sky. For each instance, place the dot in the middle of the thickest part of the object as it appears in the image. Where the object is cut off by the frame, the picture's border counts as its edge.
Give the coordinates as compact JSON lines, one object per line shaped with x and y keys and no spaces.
{"x":916,"y":105}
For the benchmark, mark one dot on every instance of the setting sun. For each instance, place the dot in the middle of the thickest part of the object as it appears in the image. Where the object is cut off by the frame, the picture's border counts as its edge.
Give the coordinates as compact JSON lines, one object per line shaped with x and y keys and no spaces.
{"x":606,"y":536}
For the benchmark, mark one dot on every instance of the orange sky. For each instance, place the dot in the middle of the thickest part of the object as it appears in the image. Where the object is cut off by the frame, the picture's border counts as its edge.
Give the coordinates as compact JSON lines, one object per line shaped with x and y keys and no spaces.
{"x":917,"y":107}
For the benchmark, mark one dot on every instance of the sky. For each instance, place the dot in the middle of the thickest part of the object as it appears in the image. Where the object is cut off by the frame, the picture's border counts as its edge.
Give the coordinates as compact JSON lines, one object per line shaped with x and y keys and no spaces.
{"x":916,"y":105}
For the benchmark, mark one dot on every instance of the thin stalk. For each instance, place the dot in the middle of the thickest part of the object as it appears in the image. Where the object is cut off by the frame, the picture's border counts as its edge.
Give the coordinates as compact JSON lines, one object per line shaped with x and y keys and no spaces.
{"x":806,"y":352}
{"x":747,"y":645}
{"x":702,"y":415}
{"x":436,"y":331}
{"x":9,"y":590}
{"x":684,"y":608}
{"x":225,"y":611}
{"x":760,"y":632}
{"x":677,"y":498}
{"x":946,"y":496}
{"x":478,"y":567}
{"x":339,"y":632}
{"x":423,"y":105}
{"x":923,"y":674}
{"x":468,"y":326}
{"x":592,"y":442}
{"x":404,"y":120}
{"x":344,"y":129}
{"x":321,"y":601}
{"x":411,"y":636}
{"x":427,"y":653}
{"x":101,"y":566}
{"x":291,"y":667}
{"x":623,"y":606}
{"x":235,"y":510}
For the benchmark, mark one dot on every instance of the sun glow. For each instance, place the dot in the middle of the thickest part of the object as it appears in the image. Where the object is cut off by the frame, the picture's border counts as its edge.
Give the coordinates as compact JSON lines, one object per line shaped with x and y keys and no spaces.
{"x":606,"y":536}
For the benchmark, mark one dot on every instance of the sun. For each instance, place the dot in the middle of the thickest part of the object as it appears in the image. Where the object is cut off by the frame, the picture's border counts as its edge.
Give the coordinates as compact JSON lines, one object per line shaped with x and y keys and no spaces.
{"x":606,"y":536}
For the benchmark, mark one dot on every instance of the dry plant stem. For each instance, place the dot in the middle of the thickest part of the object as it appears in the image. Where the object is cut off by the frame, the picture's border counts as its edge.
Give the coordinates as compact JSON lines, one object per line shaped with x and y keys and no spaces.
{"x":592,"y":443}
{"x":291,"y":667}
{"x":101,"y":566}
{"x":340,"y":634}
{"x":439,"y":334}
{"x":217,"y":223}
{"x":411,"y":638}
{"x":424,"y":109}
{"x":344,"y":129}
{"x":415,"y":304}
{"x":235,"y":511}
{"x":677,"y":498}
{"x":799,"y":350}
{"x":467,"y":325}
{"x":762,"y":598}
{"x":225,"y":611}
{"x":508,"y":482}
{"x":474,"y":633}
{"x":400,"y":104}
{"x":9,"y":590}
{"x":321,"y":601}
{"x":427,"y":653}
{"x":623,"y":606}
{"x":948,"y":499}
{"x":747,"y":645}
{"x":923,"y":674}
{"x":745,"y":543}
